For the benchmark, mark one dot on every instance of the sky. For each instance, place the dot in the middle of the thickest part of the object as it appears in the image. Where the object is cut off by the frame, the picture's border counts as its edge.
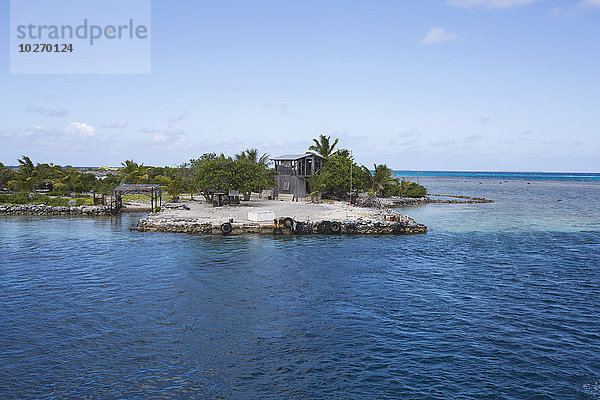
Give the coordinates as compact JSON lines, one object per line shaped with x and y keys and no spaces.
{"x":484,"y":85}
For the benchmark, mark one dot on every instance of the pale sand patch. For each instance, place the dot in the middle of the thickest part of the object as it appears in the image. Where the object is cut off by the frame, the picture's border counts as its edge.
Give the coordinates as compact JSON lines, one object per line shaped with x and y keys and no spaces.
{"x":200,"y":211}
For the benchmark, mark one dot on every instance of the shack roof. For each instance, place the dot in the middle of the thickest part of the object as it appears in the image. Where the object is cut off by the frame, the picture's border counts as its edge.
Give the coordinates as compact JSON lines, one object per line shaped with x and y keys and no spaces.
{"x":294,"y":157}
{"x":125,"y":187}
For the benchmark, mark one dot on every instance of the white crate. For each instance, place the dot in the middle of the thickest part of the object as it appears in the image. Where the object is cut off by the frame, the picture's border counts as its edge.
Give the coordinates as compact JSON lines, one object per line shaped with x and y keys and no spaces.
{"x":257,"y":216}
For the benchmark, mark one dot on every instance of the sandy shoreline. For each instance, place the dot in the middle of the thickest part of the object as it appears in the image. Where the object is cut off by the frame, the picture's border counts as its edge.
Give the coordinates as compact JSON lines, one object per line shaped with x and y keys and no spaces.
{"x":200,"y":217}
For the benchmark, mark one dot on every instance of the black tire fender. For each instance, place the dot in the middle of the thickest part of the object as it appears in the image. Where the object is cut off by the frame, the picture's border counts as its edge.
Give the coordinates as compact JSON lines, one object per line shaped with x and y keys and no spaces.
{"x":351,"y":229}
{"x":226,"y":228}
{"x":288,"y":222}
{"x":322,"y":227}
{"x":298,"y":228}
{"x":335,"y":227}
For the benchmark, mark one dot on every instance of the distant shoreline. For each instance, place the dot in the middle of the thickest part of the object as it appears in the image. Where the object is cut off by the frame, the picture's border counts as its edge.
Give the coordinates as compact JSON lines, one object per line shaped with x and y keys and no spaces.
{"x":520,"y":175}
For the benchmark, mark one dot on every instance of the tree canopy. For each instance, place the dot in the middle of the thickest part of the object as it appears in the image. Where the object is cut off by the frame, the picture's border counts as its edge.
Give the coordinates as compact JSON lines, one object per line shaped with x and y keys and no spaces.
{"x":323,"y":146}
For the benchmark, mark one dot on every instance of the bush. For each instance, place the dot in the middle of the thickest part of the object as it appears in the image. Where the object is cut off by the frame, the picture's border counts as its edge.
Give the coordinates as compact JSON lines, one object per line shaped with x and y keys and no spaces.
{"x":337,"y":184}
{"x":26,"y":198}
{"x":412,"y":189}
{"x":17,"y":198}
{"x":58,"y":202}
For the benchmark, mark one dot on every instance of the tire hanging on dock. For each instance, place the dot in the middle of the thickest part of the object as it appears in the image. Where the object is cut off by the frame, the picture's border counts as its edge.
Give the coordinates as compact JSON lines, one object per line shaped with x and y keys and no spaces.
{"x":335,"y":227}
{"x":226,"y":228}
{"x":323,"y":227}
{"x":351,"y":229}
{"x":298,"y":228}
{"x":288,"y":222}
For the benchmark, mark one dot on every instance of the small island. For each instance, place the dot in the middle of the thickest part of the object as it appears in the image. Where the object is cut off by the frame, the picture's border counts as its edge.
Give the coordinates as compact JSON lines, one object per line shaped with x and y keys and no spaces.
{"x":321,"y":191}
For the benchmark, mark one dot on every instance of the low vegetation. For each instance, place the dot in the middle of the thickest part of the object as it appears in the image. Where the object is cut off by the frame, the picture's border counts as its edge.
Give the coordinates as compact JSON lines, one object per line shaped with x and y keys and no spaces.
{"x":34,"y":198}
{"x":245,"y":172}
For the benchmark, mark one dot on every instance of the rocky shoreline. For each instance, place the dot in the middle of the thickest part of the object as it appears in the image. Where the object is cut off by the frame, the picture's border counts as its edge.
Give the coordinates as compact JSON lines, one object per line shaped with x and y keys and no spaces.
{"x":41,"y":209}
{"x":287,"y":218}
{"x":362,"y":226}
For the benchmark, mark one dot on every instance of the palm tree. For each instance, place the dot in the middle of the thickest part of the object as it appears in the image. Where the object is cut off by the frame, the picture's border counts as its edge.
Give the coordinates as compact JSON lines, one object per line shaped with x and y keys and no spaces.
{"x":381,"y":178}
{"x":6,"y":175}
{"x":68,"y":180}
{"x":252,"y":156}
{"x":317,"y":183}
{"x":173,"y":185}
{"x":344,"y":153}
{"x":27,"y":173}
{"x":131,"y":172}
{"x":322,"y":146}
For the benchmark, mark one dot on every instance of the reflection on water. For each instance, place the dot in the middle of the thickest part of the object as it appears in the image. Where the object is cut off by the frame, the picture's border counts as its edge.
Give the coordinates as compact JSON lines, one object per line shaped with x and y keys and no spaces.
{"x":497,"y":301}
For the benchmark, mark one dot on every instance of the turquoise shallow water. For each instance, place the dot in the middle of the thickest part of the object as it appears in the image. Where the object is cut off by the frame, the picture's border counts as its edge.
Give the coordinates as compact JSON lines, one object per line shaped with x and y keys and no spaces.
{"x":497,"y":301}
{"x":519,"y":205}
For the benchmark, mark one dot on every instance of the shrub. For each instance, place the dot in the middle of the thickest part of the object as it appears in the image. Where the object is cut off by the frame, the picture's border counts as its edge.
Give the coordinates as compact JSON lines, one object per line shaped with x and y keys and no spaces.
{"x":337,"y":184}
{"x":58,"y":201}
{"x":17,"y":198}
{"x":412,"y":189}
{"x":26,"y":198}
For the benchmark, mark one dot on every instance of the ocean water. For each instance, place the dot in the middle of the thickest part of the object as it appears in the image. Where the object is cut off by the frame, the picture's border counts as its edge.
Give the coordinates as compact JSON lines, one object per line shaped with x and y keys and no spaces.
{"x":496,"y":301}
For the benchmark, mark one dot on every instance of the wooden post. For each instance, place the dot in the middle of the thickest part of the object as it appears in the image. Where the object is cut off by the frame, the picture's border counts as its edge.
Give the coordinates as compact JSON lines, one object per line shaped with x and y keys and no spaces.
{"x":350,"y":202}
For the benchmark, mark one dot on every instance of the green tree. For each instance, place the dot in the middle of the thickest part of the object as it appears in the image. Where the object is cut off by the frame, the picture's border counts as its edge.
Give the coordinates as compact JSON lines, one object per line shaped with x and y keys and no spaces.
{"x":322,"y":146}
{"x":412,"y":189}
{"x":27,"y":174}
{"x":85,"y":182}
{"x":252,"y":156}
{"x":173,"y":185}
{"x":106,"y":183}
{"x":382,"y":180}
{"x":338,"y":168}
{"x":209,"y":174}
{"x":343,"y":152}
{"x":214,"y":173}
{"x":6,"y":175}
{"x":316,"y":185}
{"x":69,"y":179}
{"x":131,"y":172}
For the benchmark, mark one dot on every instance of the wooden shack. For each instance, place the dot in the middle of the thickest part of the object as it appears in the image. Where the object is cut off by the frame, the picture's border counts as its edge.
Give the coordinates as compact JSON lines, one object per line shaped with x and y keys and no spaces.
{"x":292,"y":169}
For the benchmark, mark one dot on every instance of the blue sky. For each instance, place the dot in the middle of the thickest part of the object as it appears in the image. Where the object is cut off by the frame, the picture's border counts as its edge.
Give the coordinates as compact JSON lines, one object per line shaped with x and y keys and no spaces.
{"x":423,"y":85}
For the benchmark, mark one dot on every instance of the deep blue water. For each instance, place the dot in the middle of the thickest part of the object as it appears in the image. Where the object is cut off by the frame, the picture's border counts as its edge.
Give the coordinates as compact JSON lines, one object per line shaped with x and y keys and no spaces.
{"x":497,"y":301}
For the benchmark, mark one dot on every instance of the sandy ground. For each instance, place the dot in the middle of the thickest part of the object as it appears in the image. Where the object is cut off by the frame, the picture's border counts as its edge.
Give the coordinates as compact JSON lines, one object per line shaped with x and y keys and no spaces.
{"x":302,"y":211}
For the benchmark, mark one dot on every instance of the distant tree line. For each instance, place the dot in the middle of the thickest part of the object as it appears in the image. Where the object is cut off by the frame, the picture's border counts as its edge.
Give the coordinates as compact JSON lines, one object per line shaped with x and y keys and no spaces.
{"x":245,"y":172}
{"x":333,"y":181}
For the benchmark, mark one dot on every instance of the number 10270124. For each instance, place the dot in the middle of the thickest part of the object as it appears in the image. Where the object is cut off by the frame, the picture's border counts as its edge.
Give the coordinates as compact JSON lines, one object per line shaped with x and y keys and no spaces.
{"x":45,"y":48}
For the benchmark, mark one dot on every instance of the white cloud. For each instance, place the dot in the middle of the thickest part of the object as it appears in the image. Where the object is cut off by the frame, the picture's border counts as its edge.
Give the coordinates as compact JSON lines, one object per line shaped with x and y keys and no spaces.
{"x":441,"y":143}
{"x":473,"y":138}
{"x":33,"y":130}
{"x":173,"y":120}
{"x":409,"y":133}
{"x":46,"y":111}
{"x":282,"y":108}
{"x":165,"y":136}
{"x":438,"y":34}
{"x":122,"y":124}
{"x":491,"y":3}
{"x":80,"y":129}
{"x":159,"y":137}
